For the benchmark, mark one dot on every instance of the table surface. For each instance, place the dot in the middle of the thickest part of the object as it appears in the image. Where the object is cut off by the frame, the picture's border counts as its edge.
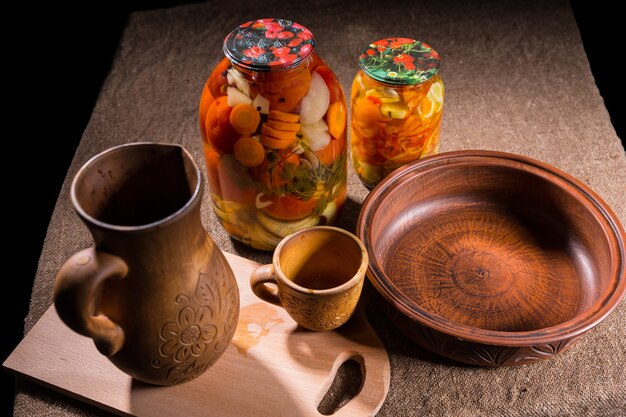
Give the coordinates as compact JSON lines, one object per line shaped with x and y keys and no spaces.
{"x":516,"y":79}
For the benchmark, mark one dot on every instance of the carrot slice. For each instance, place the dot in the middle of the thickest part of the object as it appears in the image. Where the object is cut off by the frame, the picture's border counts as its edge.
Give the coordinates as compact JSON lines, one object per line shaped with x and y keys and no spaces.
{"x":275,"y":143}
{"x":330,"y":153}
{"x":212,"y":159}
{"x":249,"y":152}
{"x":411,"y":125}
{"x":288,"y":126}
{"x":205,"y":101}
{"x":316,"y":61}
{"x":292,"y":158}
{"x":280,"y":134}
{"x":284,"y":117}
{"x":287,"y":207}
{"x":336,"y":118}
{"x":285,"y":93}
{"x":217,"y":80}
{"x":219,"y":132}
{"x":245,"y":118}
{"x":367,"y":112}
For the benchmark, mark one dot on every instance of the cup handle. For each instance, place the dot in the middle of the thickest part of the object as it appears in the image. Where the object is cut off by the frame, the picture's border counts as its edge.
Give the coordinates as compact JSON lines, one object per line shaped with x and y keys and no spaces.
{"x":260,"y":276}
{"x":75,"y":291}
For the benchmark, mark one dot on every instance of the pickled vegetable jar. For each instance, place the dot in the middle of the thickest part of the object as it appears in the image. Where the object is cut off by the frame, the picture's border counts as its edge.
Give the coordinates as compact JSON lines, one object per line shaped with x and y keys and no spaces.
{"x":397,"y":103}
{"x":273,"y":122}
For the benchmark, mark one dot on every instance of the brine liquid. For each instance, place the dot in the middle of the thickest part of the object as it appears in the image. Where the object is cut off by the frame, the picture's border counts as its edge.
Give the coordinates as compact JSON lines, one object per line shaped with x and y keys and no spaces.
{"x":392,"y":126}
{"x":275,"y":149}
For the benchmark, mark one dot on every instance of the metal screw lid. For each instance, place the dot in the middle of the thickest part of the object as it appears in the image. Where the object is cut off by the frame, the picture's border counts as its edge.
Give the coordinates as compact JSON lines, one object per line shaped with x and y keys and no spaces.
{"x":401,"y":61}
{"x":269,"y":44}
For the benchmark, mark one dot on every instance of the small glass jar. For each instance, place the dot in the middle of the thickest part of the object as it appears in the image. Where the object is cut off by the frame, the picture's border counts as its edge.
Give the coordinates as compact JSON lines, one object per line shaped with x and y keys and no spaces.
{"x":273,"y":122}
{"x":397,"y":103}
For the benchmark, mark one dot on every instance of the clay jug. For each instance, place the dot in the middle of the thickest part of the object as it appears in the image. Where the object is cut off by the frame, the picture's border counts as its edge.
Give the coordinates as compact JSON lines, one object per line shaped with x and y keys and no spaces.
{"x":155,"y":293}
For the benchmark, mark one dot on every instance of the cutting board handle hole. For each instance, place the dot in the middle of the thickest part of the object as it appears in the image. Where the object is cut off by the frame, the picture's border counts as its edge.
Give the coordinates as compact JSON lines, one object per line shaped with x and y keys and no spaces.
{"x":344,"y":383}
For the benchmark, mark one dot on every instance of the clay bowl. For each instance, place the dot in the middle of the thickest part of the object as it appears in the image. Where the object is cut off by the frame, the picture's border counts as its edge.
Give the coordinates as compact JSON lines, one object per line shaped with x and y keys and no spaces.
{"x":491,"y":258}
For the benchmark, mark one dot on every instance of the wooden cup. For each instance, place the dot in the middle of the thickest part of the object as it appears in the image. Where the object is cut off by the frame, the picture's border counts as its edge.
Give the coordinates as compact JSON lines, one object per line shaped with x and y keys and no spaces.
{"x":318,"y":273}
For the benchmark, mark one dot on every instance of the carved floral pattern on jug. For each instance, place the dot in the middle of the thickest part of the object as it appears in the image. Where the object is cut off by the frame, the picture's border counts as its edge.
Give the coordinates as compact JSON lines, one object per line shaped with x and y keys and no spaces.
{"x":193,"y":341}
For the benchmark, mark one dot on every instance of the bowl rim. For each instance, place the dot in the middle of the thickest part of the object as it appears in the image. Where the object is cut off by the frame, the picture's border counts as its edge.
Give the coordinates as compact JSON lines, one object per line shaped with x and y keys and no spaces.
{"x":578,"y":325}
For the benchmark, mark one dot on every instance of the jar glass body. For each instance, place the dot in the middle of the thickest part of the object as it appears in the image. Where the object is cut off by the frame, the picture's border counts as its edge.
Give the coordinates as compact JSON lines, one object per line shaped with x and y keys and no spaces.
{"x":275,"y":148}
{"x":392,"y":125}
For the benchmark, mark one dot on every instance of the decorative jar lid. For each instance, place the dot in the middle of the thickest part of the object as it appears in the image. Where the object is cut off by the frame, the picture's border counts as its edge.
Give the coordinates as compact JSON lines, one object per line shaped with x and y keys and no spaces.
{"x":399,"y":61}
{"x":267,"y":44}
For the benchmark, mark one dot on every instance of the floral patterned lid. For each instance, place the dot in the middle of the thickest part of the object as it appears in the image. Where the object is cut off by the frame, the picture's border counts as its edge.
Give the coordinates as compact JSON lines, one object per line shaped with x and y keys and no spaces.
{"x":399,"y":61}
{"x":268,"y":44}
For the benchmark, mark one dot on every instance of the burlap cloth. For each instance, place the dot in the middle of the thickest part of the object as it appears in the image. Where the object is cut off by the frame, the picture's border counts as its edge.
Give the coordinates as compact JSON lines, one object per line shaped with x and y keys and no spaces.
{"x":517,"y":80}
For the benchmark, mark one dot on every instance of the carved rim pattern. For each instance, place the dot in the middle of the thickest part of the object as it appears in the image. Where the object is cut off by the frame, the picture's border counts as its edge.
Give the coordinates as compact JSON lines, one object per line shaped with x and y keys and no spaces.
{"x":470,"y":352}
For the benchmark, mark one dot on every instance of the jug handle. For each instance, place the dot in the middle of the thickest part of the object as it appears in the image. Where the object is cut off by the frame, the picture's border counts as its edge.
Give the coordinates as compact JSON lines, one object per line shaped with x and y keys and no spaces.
{"x":76,"y":291}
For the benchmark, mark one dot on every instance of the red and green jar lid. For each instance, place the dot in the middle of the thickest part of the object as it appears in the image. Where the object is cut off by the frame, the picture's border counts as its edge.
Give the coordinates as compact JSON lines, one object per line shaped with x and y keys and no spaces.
{"x":268,"y":44}
{"x":400,"y":61}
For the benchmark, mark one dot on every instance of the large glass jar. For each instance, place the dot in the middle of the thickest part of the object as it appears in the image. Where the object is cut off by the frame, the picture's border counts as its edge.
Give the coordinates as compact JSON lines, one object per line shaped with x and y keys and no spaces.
{"x":273,"y":122}
{"x":397,"y":102}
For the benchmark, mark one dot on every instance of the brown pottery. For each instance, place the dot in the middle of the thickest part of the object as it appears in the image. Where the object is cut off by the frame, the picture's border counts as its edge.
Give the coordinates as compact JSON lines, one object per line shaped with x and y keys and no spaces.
{"x":491,"y":258}
{"x":155,"y":293}
{"x":316,"y":275}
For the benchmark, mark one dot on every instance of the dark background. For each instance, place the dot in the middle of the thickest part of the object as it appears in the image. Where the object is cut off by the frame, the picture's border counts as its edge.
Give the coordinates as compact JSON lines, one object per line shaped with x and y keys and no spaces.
{"x":59,"y":57}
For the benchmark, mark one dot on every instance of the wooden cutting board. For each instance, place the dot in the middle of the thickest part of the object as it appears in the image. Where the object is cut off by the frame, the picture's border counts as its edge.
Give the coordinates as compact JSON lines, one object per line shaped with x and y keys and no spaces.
{"x":271,"y":367}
